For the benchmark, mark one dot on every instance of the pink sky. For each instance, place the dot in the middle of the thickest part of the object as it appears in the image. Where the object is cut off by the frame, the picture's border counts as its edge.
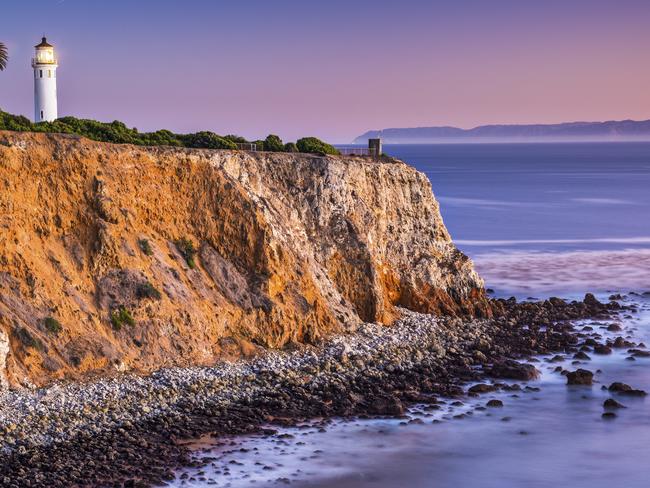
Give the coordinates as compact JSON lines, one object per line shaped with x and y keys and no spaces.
{"x":335,"y":69}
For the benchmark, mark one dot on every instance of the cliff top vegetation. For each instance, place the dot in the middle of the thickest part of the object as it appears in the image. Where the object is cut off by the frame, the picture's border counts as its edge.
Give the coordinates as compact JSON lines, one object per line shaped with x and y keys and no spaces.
{"x":118,"y":133}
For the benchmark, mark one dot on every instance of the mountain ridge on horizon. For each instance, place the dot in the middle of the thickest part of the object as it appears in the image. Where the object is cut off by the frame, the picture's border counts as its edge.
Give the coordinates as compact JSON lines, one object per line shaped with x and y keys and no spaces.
{"x":614,"y":130}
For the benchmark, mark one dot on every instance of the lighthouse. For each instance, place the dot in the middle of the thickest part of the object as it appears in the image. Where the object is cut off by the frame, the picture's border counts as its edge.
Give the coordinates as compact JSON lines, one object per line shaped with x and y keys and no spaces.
{"x":44,"y":63}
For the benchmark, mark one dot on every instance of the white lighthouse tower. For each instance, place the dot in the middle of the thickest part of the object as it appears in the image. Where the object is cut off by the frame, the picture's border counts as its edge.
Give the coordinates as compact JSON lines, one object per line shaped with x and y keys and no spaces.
{"x":44,"y":63}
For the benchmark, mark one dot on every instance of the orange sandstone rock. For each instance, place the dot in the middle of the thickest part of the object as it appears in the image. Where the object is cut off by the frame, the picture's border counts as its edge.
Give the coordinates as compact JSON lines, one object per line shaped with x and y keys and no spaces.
{"x":289,"y":248}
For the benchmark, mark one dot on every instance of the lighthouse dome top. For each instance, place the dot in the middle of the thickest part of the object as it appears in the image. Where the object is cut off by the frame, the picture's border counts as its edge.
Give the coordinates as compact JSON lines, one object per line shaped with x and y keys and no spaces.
{"x":44,"y":54}
{"x":43,"y":44}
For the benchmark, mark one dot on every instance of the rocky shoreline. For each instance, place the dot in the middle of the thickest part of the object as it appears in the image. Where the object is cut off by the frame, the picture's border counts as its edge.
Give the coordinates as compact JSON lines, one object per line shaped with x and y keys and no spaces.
{"x":128,"y":430}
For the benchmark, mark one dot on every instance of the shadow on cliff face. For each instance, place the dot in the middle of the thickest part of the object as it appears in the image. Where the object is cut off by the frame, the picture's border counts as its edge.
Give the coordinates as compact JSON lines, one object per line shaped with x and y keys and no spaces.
{"x":153,"y":257}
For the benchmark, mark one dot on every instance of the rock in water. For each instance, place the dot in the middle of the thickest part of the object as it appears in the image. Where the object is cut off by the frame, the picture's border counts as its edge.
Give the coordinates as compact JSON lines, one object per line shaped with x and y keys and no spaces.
{"x":482,"y":388}
{"x":610,"y":404}
{"x":626,"y":390}
{"x":591,"y":301}
{"x":582,"y":377}
{"x":619,"y":387}
{"x":581,"y":355}
{"x":602,"y":349}
{"x":514,"y":370}
{"x":494,"y":404}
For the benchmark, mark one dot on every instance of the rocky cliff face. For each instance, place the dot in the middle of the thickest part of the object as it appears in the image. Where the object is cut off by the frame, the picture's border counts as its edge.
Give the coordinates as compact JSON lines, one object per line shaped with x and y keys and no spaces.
{"x":98,"y":271}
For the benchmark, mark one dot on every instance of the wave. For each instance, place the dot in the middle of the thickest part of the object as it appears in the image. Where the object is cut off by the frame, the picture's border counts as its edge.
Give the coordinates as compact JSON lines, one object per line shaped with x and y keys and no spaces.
{"x":602,"y":201}
{"x":565,"y":272}
{"x":523,"y":242}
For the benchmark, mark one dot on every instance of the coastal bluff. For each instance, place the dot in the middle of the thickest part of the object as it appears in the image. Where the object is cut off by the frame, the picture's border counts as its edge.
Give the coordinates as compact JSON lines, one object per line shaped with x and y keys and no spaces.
{"x":129,"y":258}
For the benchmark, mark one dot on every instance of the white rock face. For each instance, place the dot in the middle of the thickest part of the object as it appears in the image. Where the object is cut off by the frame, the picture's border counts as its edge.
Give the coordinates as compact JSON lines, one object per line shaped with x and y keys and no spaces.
{"x":4,"y":352}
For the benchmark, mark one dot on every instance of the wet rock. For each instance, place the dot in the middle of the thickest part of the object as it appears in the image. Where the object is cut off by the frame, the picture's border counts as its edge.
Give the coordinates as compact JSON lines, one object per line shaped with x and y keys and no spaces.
{"x":609,"y":415}
{"x":638,"y":353}
{"x":482,"y":388}
{"x":610,"y":403}
{"x":494,"y":404}
{"x":619,"y":387}
{"x":385,"y":405}
{"x":620,"y":343}
{"x":514,"y":370}
{"x":591,"y":301}
{"x":581,"y":377}
{"x":614,"y":328}
{"x":602,"y":349}
{"x":582,"y":356}
{"x":627,"y":390}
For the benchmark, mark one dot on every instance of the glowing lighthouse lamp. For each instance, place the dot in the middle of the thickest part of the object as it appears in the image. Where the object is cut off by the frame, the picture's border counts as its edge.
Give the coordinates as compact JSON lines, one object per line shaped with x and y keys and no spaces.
{"x":44,"y":63}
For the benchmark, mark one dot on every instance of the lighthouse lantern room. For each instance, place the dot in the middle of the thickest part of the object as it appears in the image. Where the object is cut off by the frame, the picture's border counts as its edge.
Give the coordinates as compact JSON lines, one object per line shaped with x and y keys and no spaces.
{"x":44,"y":63}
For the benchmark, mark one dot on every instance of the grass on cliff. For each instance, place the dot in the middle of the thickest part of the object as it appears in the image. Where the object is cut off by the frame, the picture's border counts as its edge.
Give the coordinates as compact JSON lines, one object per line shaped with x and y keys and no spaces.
{"x":145,"y":246}
{"x":187,"y":250}
{"x":52,"y":325}
{"x":118,"y":133}
{"x":147,"y":290}
{"x":121,"y":317}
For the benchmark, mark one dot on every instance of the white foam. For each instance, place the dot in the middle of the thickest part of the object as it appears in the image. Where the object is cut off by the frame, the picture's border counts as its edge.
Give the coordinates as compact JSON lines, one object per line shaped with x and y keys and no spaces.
{"x":603,"y":201}
{"x":540,"y":272}
{"x":523,"y":242}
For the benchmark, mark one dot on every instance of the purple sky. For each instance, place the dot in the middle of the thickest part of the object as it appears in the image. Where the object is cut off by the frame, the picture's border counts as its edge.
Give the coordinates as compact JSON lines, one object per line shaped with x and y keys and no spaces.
{"x":333,"y":68}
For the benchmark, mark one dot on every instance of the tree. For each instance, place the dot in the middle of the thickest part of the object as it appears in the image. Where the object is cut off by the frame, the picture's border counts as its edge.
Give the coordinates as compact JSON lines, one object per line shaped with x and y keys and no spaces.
{"x":273,"y":143}
{"x":4,"y":56}
{"x":316,"y":146}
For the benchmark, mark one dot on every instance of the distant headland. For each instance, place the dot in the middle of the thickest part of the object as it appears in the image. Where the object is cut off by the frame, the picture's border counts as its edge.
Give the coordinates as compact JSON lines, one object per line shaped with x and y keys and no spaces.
{"x":624,"y":130}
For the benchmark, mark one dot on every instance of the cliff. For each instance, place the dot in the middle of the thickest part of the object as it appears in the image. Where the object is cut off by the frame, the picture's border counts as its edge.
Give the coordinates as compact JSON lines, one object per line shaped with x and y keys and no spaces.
{"x":98,"y":271}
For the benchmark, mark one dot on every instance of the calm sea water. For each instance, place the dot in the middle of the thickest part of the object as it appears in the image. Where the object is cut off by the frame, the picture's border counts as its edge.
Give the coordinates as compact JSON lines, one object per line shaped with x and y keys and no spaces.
{"x":545,"y":218}
{"x":538,"y":219}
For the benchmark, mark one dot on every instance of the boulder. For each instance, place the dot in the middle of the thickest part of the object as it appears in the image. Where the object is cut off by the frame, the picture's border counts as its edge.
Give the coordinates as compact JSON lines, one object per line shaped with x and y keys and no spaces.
{"x":610,"y":403}
{"x":514,"y":370}
{"x":583,"y":356}
{"x":581,"y":377}
{"x":494,"y":404}
{"x":482,"y":388}
{"x":626,"y":390}
{"x":602,"y":349}
{"x":591,"y":301}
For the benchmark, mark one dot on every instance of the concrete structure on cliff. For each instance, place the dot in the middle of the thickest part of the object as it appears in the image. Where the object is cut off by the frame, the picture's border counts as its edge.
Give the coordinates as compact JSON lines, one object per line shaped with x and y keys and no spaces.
{"x":45,"y":64}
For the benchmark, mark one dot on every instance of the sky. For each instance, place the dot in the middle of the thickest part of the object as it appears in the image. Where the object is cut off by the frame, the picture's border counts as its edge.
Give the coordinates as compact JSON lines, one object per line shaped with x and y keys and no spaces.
{"x":333,"y":69}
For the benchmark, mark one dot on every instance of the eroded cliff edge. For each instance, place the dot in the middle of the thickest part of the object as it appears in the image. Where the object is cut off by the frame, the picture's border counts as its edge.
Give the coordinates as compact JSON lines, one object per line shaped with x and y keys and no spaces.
{"x":290,"y":248}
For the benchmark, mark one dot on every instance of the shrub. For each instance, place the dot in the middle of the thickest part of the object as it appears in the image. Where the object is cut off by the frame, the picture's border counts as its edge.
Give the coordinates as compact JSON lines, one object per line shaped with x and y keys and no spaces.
{"x":117,"y":132}
{"x":120,"y":317}
{"x":187,"y":250}
{"x":145,"y":246}
{"x":207,"y":140}
{"x":316,"y":146}
{"x":147,"y":290}
{"x":52,"y":325}
{"x":236,"y":139}
{"x":291,"y":147}
{"x":273,"y":143}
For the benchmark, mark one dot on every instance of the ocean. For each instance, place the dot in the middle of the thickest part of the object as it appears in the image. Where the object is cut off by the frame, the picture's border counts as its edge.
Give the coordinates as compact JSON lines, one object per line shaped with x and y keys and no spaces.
{"x":538,"y":220}
{"x":545,"y":218}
